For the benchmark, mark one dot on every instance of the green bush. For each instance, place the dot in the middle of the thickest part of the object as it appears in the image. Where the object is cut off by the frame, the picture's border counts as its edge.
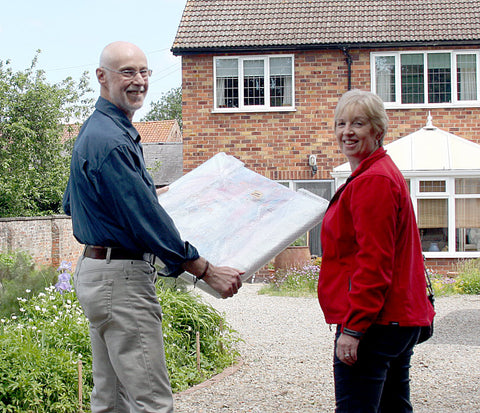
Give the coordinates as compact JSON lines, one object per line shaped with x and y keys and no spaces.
{"x":469,"y":276}
{"x":19,"y":278}
{"x":39,"y":351}
{"x":41,"y":344}
{"x":466,"y":280}
{"x":183,"y":316}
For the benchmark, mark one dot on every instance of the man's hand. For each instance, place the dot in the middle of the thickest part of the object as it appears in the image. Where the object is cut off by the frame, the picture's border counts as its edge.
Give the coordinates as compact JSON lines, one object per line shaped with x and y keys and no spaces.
{"x":162,"y":190}
{"x":225,"y":280}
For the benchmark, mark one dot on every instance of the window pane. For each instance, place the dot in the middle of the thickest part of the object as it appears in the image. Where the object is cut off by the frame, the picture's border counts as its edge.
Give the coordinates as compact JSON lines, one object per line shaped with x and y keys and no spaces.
{"x":467,"y":223}
{"x":323,"y":189}
{"x":253,"y":82}
{"x":281,"y":81}
{"x":467,"y":186}
{"x":412,"y":78}
{"x":466,"y":77}
{"x":281,"y":66}
{"x":432,"y":186}
{"x":227,"y":68}
{"x":433,"y":224}
{"x":385,"y":77}
{"x":439,"y":78}
{"x":227,"y":83}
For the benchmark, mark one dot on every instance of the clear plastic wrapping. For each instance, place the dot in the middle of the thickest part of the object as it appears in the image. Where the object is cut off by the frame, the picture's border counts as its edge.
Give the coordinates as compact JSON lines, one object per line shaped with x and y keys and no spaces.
{"x":236,"y":217}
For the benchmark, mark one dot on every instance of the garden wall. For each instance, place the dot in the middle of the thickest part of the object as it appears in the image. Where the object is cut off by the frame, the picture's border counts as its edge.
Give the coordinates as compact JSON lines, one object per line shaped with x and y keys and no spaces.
{"x":48,"y":239}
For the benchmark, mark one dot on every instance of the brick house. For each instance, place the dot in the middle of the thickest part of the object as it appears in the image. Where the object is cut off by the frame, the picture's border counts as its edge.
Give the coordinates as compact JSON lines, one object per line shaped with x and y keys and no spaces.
{"x":261,"y":78}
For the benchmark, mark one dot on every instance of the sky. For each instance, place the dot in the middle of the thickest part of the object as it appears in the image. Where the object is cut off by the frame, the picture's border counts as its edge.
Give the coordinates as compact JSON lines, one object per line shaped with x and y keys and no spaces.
{"x":72,"y":34}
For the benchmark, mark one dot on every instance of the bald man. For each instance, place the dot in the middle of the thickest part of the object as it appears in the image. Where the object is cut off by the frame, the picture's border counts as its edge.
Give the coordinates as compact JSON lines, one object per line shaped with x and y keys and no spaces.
{"x":115,"y":213}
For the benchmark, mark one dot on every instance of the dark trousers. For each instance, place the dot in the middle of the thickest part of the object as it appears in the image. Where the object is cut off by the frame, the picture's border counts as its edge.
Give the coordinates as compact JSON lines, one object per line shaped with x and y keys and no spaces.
{"x":379,"y":381}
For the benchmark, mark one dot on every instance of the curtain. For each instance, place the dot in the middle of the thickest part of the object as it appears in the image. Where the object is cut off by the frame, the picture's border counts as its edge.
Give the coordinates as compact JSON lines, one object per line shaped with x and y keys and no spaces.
{"x":385,"y":77}
{"x":224,"y":68}
{"x":281,"y":68}
{"x":466,"y":77}
{"x":432,"y":213}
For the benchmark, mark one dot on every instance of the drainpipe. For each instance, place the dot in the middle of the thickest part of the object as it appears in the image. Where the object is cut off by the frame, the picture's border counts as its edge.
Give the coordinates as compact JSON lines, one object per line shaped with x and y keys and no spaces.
{"x":348,"y":59}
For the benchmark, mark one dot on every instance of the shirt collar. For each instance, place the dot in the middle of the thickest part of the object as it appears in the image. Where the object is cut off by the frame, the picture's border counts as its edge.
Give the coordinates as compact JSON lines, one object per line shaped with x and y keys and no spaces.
{"x":113,"y":112}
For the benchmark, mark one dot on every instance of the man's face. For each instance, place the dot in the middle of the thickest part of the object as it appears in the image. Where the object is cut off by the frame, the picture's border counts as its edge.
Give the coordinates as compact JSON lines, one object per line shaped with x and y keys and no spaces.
{"x":124,"y":91}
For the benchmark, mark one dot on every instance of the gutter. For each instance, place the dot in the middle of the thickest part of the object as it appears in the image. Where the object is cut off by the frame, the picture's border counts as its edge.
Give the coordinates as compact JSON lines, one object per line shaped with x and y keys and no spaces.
{"x":186,"y":51}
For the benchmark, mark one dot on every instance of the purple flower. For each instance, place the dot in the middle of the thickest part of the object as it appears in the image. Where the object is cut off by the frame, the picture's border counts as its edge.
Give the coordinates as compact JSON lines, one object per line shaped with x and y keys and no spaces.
{"x":63,"y":283}
{"x":61,"y":287}
{"x":65,"y":266}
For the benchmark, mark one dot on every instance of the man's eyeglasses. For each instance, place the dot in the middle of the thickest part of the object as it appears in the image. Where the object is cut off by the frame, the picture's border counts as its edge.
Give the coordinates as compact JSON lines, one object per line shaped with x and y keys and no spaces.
{"x":130,"y":73}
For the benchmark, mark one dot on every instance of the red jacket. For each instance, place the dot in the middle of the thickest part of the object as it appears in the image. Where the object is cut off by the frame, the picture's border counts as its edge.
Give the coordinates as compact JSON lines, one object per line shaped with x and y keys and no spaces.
{"x":372,"y":264}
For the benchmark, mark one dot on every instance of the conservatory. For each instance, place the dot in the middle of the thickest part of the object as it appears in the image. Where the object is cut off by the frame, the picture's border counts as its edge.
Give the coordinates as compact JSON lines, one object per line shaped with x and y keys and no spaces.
{"x":443,"y":174}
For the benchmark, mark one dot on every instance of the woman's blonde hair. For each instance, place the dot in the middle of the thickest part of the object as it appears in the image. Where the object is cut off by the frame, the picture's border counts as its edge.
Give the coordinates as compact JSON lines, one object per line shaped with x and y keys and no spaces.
{"x":370,"y":104}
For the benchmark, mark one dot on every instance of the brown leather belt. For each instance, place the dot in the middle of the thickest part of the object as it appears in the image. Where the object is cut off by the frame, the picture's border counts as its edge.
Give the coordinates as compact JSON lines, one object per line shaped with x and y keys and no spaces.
{"x":116,"y":253}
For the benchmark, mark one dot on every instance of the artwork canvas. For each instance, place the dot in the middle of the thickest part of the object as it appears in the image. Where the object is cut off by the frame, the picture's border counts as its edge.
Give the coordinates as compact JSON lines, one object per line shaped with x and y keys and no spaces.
{"x":237,"y":217}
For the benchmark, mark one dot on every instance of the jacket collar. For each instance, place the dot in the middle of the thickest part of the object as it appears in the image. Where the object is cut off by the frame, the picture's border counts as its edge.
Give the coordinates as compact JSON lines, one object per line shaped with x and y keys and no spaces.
{"x":113,"y":112}
{"x":368,"y":162}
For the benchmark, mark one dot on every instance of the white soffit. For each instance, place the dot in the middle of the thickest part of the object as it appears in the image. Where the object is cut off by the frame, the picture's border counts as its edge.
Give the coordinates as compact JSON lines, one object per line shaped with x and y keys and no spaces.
{"x":430,"y":149}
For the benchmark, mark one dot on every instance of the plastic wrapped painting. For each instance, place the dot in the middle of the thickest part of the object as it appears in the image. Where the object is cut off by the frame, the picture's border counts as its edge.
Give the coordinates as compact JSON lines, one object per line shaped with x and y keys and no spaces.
{"x":237,"y":217}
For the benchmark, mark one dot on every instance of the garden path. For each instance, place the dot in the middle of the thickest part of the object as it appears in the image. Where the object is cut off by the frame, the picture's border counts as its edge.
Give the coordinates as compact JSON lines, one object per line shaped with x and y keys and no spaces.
{"x":287,"y":358}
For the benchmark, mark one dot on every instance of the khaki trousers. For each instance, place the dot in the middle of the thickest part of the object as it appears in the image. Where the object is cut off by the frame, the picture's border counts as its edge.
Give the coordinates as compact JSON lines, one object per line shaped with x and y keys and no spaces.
{"x":129,"y":370}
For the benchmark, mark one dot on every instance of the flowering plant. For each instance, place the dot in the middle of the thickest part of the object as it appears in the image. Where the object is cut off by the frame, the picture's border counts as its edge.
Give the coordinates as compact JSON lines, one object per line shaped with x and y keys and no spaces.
{"x":295,"y":281}
{"x":63,"y":283}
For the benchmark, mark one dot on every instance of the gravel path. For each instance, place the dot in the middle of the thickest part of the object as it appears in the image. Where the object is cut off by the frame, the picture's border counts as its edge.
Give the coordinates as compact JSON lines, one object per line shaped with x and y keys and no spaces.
{"x":287,"y":354}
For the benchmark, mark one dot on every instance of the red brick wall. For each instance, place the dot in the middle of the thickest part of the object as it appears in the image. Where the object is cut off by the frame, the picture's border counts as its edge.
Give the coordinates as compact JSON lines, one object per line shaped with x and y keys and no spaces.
{"x":277,"y":144}
{"x":48,"y":239}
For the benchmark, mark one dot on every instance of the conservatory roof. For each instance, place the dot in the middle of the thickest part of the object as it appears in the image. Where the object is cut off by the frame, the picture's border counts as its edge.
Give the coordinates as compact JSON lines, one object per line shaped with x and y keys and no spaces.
{"x":429,"y":149}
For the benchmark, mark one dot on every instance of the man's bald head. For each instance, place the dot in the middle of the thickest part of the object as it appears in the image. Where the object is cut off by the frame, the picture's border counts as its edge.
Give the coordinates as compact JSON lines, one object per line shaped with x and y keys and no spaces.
{"x":115,"y":52}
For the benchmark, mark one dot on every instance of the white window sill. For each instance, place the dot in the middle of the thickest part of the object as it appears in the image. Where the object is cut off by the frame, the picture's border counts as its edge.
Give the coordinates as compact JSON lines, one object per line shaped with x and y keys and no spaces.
{"x":255,"y":110}
{"x":389,"y":105}
{"x":454,"y":255}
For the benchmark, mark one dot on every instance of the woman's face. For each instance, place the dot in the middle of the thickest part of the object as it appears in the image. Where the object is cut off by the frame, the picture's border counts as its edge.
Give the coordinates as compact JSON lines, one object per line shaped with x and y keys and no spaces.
{"x":356,"y":135}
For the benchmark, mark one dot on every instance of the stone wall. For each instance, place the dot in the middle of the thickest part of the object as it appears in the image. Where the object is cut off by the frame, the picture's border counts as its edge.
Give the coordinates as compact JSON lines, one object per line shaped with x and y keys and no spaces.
{"x":48,"y":239}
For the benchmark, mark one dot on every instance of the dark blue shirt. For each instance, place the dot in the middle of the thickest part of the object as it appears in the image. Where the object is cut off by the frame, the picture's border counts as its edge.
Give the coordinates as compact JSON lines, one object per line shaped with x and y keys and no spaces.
{"x":111,"y":197}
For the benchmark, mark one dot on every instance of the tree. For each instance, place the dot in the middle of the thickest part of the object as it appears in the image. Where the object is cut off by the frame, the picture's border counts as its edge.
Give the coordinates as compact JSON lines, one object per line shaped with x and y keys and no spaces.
{"x":34,"y":159}
{"x":168,"y":107}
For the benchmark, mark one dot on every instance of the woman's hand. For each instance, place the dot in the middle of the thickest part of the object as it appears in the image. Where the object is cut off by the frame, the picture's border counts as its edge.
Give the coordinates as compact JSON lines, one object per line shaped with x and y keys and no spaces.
{"x":347,"y":347}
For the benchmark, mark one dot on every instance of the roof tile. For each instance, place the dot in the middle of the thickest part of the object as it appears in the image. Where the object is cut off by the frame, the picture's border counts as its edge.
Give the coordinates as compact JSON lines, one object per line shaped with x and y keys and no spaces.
{"x":162,"y":131}
{"x":210,"y":24}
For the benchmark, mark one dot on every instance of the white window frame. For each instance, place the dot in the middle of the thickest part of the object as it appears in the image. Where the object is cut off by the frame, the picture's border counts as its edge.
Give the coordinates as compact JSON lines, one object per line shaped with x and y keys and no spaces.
{"x":398,"y":87}
{"x":253,"y":108}
{"x":295,"y":185}
{"x":451,"y":196}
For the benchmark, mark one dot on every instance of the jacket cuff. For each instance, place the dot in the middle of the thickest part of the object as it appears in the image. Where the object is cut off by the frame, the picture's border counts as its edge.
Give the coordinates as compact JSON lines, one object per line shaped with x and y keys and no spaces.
{"x":352,"y":333}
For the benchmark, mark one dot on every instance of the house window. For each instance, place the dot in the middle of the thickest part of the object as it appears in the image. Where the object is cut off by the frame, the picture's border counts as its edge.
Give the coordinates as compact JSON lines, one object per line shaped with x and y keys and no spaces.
{"x":448,"y":215}
{"x":440,"y":78}
{"x":323,"y":189}
{"x":253,"y":83}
